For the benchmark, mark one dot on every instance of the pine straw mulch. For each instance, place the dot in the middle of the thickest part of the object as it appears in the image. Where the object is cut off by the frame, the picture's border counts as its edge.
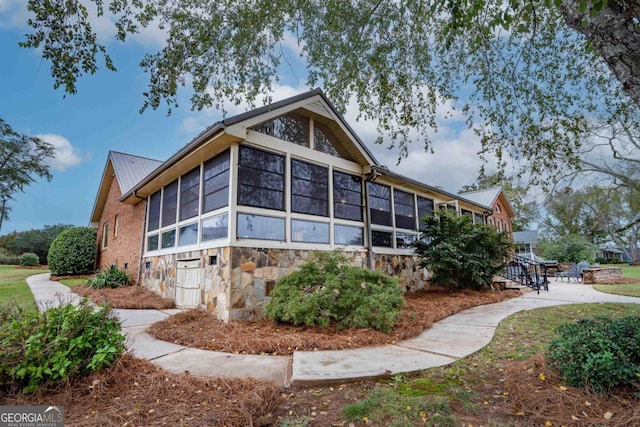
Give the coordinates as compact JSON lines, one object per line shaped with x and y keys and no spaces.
{"x":537,"y":393}
{"x":199,"y":329}
{"x":134,"y":392}
{"x":136,"y":297}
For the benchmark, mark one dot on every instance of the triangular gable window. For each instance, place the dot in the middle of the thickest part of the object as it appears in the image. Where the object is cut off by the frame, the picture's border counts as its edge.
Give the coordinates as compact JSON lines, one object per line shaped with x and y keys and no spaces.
{"x":325,"y":142}
{"x":290,"y":127}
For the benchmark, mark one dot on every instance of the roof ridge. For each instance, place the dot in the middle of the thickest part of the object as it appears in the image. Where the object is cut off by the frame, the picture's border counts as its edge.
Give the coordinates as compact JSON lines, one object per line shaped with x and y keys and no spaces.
{"x":134,"y":155}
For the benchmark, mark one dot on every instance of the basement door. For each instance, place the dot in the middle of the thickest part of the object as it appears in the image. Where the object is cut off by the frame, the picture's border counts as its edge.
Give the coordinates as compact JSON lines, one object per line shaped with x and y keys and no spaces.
{"x":188,"y":277}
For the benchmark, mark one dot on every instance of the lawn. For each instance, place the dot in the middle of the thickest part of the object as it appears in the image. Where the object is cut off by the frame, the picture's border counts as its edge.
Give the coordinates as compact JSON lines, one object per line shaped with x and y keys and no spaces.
{"x":13,"y":285}
{"x":73,"y":282}
{"x":628,"y":272}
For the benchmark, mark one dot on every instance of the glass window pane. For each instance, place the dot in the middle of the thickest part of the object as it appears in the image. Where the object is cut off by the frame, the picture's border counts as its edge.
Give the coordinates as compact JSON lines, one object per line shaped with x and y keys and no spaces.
{"x":381,"y":238}
{"x":261,"y":179}
{"x":215,"y":227}
{"x":324,"y":141}
{"x":309,"y":188}
{"x":425,"y":208}
{"x":309,"y":231}
{"x":188,"y":235}
{"x":379,"y":203}
{"x":152,"y":243}
{"x":190,"y":194}
{"x":404,"y":206}
{"x":404,"y":240}
{"x":215,"y":186}
{"x":169,"y":239}
{"x":290,"y":127}
{"x":260,"y":227}
{"x":478,"y":219}
{"x":154,"y":211}
{"x":348,"y":235}
{"x":347,"y":196}
{"x":170,"y":204}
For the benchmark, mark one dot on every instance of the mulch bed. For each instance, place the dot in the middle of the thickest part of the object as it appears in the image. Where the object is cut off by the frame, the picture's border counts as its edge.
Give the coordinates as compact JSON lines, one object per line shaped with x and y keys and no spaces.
{"x":538,"y":395}
{"x":136,"y":297}
{"x":135,"y":392}
{"x":200,"y":329}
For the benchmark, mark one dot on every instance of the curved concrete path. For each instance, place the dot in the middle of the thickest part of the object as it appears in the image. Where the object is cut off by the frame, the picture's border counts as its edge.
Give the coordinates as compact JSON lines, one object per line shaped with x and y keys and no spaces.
{"x":448,"y":340}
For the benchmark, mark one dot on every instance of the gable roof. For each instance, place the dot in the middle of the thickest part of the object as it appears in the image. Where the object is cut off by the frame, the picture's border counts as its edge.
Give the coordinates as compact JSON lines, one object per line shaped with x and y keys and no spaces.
{"x":489,"y":197}
{"x":314,"y":101}
{"x":128,"y":169}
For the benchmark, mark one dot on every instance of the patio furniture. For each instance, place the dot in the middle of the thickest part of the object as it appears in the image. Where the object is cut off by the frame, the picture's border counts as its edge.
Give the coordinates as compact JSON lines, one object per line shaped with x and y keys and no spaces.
{"x":575,"y":271}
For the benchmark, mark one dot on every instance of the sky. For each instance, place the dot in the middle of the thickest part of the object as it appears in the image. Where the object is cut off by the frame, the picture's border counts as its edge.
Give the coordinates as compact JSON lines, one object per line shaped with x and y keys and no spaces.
{"x":104,"y":115}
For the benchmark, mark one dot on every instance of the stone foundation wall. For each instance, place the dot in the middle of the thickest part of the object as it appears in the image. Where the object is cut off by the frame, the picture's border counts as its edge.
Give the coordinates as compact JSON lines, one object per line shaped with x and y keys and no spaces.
{"x":238,"y":286}
{"x":601,"y":275}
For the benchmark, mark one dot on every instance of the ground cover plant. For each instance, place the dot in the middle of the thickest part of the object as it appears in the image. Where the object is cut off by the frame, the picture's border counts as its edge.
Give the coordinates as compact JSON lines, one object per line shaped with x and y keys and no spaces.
{"x":112,"y":277}
{"x":200,"y":329}
{"x":14,"y":288}
{"x":326,"y":291}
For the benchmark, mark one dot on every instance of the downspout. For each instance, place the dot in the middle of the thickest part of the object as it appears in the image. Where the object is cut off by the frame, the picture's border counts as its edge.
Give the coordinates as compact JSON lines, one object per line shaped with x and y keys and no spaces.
{"x":144,"y":230}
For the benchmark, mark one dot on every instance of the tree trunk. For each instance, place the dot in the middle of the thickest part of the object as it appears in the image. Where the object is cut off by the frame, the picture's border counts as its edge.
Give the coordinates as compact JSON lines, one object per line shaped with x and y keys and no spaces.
{"x":614,"y":34}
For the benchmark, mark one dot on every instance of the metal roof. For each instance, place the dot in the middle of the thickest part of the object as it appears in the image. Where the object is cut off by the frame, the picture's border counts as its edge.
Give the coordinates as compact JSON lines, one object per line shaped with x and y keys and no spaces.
{"x":130,"y":169}
{"x":484,"y":197}
{"x":526,"y":236}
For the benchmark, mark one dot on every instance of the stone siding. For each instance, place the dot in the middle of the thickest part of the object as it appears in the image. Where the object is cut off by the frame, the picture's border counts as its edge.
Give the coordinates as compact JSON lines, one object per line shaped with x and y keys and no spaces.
{"x":239,"y":285}
{"x":601,"y":275}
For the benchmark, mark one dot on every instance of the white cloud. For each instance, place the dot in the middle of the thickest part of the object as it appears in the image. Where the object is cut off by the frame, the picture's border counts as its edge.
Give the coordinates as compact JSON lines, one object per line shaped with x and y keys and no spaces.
{"x":66,"y":155}
{"x":13,"y":13}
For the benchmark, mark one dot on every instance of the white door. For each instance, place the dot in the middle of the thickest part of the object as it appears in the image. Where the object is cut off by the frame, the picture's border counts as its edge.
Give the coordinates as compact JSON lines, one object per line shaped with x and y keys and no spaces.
{"x":188,"y":279}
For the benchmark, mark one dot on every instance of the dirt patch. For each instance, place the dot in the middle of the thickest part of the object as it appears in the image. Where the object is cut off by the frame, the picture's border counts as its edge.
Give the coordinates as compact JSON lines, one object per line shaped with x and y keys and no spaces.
{"x":137,"y":297}
{"x":537,"y":394}
{"x":134,"y":392}
{"x":200,"y":329}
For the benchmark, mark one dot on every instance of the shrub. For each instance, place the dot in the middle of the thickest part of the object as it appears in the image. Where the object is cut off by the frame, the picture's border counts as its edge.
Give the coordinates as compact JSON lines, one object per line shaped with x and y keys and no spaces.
{"x":73,"y":251}
{"x":29,"y":260}
{"x":325,"y":290}
{"x":570,"y":248}
{"x":461,"y":254}
{"x":600,"y":353}
{"x":9,"y":260}
{"x":66,"y":342}
{"x":111,"y":278}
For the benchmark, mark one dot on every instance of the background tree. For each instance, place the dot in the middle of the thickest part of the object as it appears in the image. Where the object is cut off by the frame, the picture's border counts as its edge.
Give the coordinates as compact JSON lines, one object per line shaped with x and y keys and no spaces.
{"x":461,"y":254}
{"x":22,"y":159}
{"x":36,"y":241}
{"x":530,"y":77}
{"x":570,"y":248}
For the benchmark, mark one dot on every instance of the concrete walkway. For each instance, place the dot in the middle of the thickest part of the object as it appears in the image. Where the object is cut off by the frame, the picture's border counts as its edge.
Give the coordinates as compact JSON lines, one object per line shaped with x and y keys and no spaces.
{"x":450,"y":339}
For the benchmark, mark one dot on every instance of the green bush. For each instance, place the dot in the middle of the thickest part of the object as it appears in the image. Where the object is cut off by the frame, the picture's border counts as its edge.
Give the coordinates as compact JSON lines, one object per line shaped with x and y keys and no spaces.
{"x":29,"y":260}
{"x":461,"y":254}
{"x":73,"y":251}
{"x":9,"y":260}
{"x":616,"y":261}
{"x":600,"y":353}
{"x":327,"y":291}
{"x":111,"y":278}
{"x":570,"y":248}
{"x":66,"y":342}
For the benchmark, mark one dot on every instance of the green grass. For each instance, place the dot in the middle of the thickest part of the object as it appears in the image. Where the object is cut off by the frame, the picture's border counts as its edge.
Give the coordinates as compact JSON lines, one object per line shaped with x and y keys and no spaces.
{"x":518,"y":337}
{"x":628,"y":271}
{"x":13,"y":286}
{"x":630,"y":290}
{"x":73,"y":282}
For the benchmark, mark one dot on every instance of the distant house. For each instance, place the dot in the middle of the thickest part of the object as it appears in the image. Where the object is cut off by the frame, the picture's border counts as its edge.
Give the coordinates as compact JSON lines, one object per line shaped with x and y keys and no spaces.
{"x":526,"y":243}
{"x":502,"y":213}
{"x":253,"y":196}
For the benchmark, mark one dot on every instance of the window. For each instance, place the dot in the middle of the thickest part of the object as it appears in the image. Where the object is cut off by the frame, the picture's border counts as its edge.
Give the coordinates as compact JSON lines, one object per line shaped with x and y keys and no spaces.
{"x":152,"y":243}
{"x":291,"y":127}
{"x":324,"y":141}
{"x":169,"y":239}
{"x":215,"y":228}
{"x":260,"y":227}
{"x":190,"y":194}
{"x":467,"y":213}
{"x":379,"y":203}
{"x":260,"y":179}
{"x":115,"y":226}
{"x":381,"y":238}
{"x":405,"y":240}
{"x":348,"y":235}
{"x":477,"y":218}
{"x":309,"y":231}
{"x":347,"y":196}
{"x":105,"y":234}
{"x":425,"y":208}
{"x":497,"y":208}
{"x":154,"y":211}
{"x":309,"y":188}
{"x":188,"y":235}
{"x":169,"y":203}
{"x":405,"y":209}
{"x":215,"y":185}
